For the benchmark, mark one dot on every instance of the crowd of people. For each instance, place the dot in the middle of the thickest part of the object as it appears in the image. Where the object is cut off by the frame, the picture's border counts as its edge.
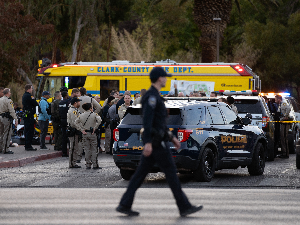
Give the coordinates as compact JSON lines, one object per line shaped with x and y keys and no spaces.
{"x":78,"y":120}
{"x":66,"y":111}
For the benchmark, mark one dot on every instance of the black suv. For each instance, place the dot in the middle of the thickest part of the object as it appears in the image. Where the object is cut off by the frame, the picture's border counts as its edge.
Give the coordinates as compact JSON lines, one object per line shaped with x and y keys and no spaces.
{"x":212,"y":138}
{"x":261,"y":117}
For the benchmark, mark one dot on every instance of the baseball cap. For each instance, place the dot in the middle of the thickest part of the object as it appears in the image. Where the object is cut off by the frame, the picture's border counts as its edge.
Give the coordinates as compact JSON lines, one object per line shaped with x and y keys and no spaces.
{"x":73,"y":100}
{"x":46,"y":93}
{"x":157,"y":72}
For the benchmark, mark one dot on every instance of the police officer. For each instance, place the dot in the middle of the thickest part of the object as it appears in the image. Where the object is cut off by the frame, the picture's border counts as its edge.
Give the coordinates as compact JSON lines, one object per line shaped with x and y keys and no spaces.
{"x":73,"y":114}
{"x":7,"y":115}
{"x":29,"y":107}
{"x":87,"y":99}
{"x":87,"y":123}
{"x":56,"y":121}
{"x":123,"y":108}
{"x":156,"y":149}
{"x":283,"y":112}
{"x":63,"y":108}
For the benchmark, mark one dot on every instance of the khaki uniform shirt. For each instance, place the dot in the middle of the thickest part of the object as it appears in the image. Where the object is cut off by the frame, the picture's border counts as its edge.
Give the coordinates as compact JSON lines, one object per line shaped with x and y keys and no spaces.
{"x":73,"y":114}
{"x":122,"y":110}
{"x":7,"y":105}
{"x":88,"y":99}
{"x":137,"y":101}
{"x":89,"y":118}
{"x":284,"y":108}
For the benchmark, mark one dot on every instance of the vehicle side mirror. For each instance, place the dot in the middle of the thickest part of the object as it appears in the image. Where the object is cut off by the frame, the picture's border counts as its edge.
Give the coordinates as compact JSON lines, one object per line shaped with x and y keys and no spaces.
{"x":246,"y":121}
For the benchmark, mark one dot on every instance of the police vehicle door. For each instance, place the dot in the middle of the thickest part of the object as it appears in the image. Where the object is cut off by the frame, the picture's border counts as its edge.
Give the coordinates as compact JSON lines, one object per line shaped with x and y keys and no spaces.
{"x":231,"y":138}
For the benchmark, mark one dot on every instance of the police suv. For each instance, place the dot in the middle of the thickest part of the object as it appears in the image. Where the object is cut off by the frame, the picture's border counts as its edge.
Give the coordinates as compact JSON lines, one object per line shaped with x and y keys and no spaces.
{"x":212,"y":137}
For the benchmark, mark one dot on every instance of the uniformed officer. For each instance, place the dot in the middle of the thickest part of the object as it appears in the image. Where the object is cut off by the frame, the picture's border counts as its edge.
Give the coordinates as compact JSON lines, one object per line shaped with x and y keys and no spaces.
{"x":75,"y":144}
{"x":87,"y":123}
{"x":156,"y":149}
{"x":56,"y":121}
{"x":7,"y":115}
{"x":283,"y":112}
{"x":106,"y":123}
{"x":63,"y":108}
{"x":87,"y":99}
{"x":123,"y":108}
{"x":29,"y":107}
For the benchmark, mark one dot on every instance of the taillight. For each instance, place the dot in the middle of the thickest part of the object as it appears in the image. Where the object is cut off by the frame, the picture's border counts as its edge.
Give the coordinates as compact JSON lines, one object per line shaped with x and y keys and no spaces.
{"x":183,"y":135}
{"x":265,"y":121}
{"x":116,"y":134}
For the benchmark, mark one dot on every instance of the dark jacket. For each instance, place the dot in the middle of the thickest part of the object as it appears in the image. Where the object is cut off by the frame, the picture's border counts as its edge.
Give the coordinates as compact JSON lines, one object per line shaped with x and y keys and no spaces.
{"x":154,"y":117}
{"x":63,"y":108}
{"x":29,"y":104}
{"x":55,"y":111}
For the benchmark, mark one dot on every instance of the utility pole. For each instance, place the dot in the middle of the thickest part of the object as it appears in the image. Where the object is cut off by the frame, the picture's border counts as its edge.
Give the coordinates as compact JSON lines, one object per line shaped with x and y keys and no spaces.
{"x":217,"y":20}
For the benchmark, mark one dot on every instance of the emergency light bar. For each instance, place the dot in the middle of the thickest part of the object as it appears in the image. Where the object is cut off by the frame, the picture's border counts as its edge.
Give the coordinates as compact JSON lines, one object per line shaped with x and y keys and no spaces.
{"x":273,"y":94}
{"x":228,"y":92}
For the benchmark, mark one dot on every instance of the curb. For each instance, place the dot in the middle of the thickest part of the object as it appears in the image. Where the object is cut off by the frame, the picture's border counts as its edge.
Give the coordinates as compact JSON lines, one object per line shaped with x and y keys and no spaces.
{"x":28,"y":160}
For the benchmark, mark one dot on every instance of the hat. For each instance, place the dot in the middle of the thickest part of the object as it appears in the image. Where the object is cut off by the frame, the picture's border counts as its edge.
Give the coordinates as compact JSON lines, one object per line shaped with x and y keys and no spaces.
{"x":73,"y":100}
{"x":157,"y":72}
{"x":46,"y":93}
{"x":63,"y":88}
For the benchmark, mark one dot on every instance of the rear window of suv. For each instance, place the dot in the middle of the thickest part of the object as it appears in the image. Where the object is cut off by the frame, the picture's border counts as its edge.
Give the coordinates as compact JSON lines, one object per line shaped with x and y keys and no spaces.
{"x":133,"y":116}
{"x":176,"y":116}
{"x":252,"y":106}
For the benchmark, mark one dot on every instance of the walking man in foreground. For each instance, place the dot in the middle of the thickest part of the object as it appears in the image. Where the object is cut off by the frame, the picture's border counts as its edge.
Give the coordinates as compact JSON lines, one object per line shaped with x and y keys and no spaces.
{"x":156,"y":148}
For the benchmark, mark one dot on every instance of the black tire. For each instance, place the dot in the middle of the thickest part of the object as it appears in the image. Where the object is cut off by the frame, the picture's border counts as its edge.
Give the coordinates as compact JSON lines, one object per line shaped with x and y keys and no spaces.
{"x":293,"y":140}
{"x":126,"y":174}
{"x":206,"y":169}
{"x":298,"y":161}
{"x":257,"y":165}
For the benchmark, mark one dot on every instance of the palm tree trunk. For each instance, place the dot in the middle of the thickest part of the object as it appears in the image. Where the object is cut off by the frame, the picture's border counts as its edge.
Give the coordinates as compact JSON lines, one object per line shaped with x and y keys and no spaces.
{"x":204,"y":13}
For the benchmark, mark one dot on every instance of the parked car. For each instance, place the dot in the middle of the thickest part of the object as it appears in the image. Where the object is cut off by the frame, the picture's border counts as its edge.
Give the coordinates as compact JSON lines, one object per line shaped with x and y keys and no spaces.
{"x":212,"y":138}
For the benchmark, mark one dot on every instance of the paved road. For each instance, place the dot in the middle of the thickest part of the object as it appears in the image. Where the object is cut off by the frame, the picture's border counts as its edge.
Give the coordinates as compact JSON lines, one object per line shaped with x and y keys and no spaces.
{"x":281,"y":173}
{"x":157,"y":206}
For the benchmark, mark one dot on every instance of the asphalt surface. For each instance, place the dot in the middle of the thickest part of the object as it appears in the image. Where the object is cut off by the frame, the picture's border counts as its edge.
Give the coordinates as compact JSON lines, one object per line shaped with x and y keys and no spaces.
{"x":55,"y":172}
{"x":21,"y":206}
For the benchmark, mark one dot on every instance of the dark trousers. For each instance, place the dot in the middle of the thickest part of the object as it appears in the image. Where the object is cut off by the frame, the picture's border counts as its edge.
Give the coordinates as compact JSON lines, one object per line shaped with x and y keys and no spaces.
{"x":28,"y":131}
{"x":57,"y":135}
{"x":44,"y":130}
{"x":64,"y":143}
{"x":163,"y":157}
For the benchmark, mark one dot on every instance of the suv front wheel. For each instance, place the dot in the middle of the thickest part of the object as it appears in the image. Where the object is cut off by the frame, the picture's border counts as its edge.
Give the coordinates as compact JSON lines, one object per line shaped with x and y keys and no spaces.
{"x":257,"y":165}
{"x":206,"y":169}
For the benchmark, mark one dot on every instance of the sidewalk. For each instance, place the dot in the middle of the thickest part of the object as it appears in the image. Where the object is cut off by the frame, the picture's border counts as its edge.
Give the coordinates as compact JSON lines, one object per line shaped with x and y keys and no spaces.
{"x":22,"y":157}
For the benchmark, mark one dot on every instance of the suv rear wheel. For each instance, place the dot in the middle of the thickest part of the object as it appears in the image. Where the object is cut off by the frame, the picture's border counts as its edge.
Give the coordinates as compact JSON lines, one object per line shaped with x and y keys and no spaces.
{"x":206,"y":169}
{"x":126,"y":174}
{"x":257,"y":165}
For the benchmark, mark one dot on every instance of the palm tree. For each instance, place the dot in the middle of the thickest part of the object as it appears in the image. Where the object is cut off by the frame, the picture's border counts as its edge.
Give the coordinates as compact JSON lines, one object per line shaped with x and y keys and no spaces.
{"x":204,"y":13}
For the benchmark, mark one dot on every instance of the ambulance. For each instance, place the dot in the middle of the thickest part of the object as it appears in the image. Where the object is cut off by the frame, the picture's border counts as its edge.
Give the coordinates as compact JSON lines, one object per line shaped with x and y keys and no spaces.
{"x":99,"y":78}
